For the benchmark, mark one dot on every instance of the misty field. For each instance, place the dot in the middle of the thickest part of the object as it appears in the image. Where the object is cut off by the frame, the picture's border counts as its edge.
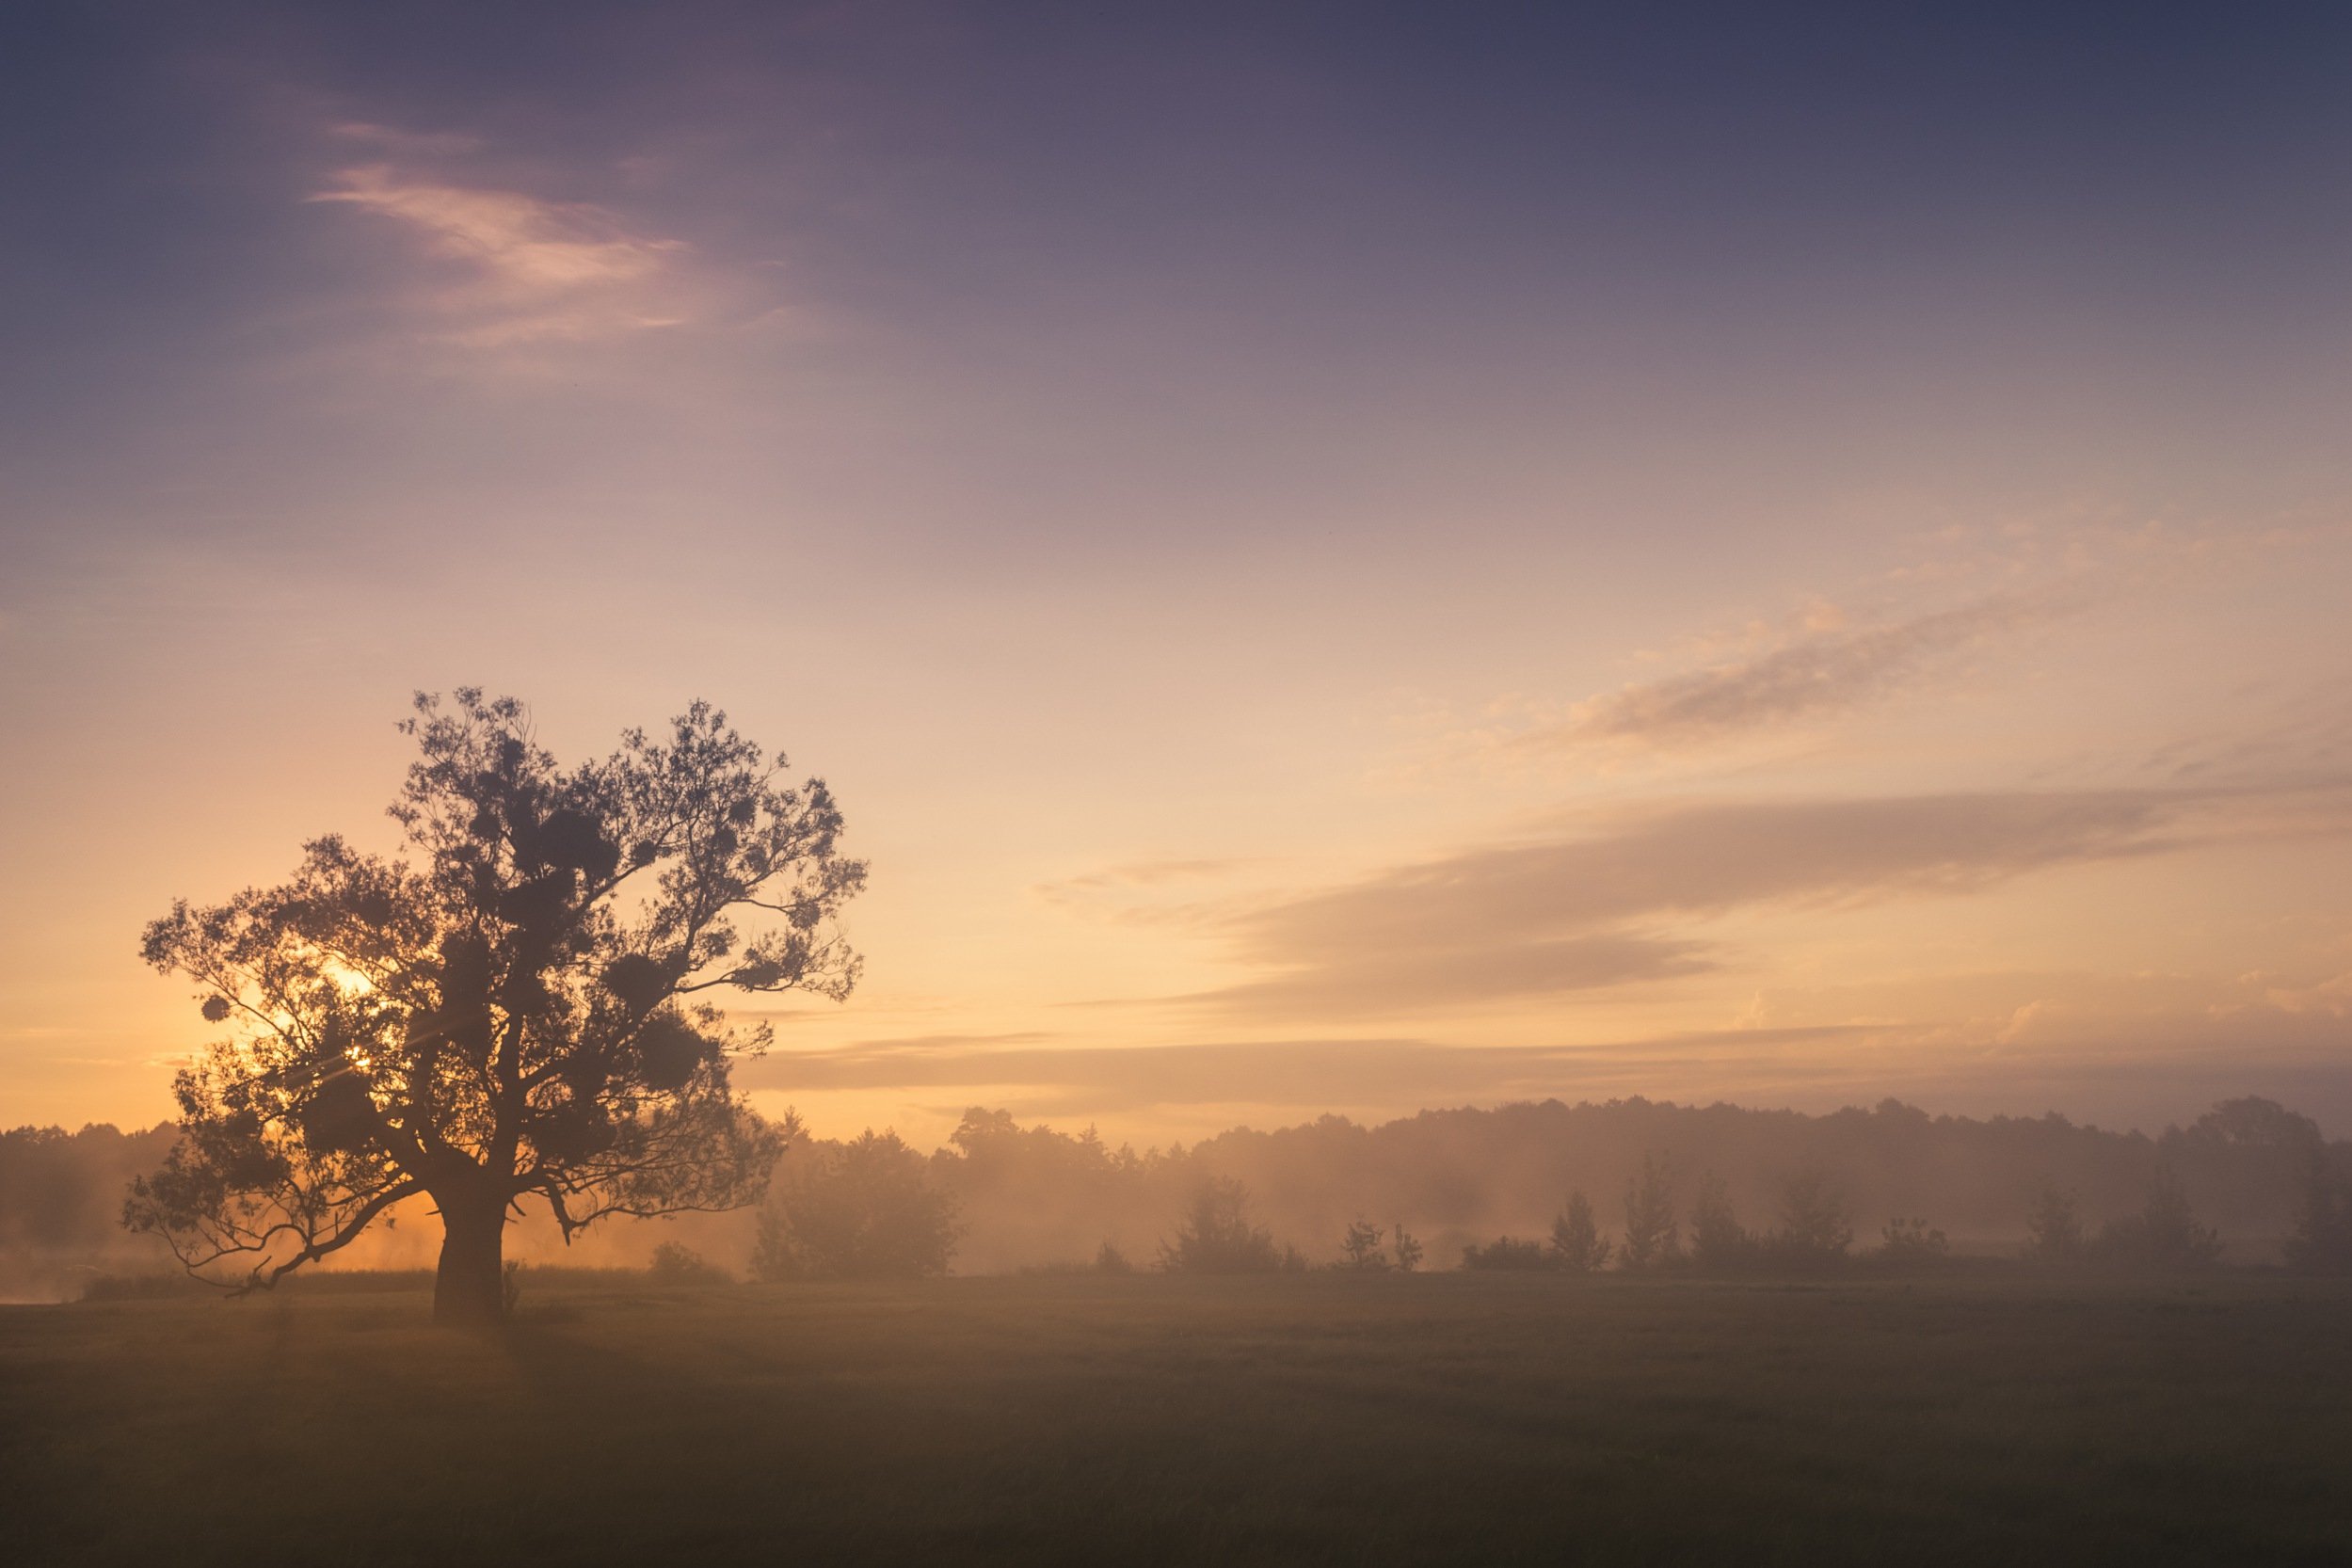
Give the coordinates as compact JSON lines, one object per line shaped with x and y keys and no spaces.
{"x":1149,"y":1419}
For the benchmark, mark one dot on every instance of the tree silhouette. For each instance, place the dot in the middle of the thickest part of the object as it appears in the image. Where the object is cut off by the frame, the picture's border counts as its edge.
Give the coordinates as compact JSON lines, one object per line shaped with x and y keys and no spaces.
{"x":1718,"y":1239}
{"x":2322,"y":1242}
{"x":1216,"y":1238}
{"x":1816,"y":1229}
{"x":1362,"y":1247}
{"x":2164,"y":1235}
{"x":2054,"y":1232}
{"x":518,"y":1014}
{"x":1651,"y":1240}
{"x":1577,"y":1242}
{"x":1408,"y":1250}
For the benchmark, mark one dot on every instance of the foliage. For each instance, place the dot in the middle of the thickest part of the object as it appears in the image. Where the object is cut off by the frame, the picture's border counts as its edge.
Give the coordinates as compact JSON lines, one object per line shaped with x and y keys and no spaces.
{"x":1216,"y":1236}
{"x":1651,"y":1237}
{"x":1111,"y":1260}
{"x":1506,"y":1252}
{"x":1364,"y":1248}
{"x":518,"y":1012}
{"x":1910,"y":1242}
{"x":2322,"y":1242}
{"x":1578,"y":1244}
{"x":1408,"y":1250}
{"x":2054,"y":1232}
{"x":1718,"y":1240}
{"x":865,"y":1210}
{"x":675,"y":1263}
{"x":1816,"y":1229}
{"x":2164,"y":1236}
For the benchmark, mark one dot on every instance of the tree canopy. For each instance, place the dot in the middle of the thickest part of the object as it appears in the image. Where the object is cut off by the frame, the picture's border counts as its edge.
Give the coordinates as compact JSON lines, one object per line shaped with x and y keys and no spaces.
{"x":520,"y":1007}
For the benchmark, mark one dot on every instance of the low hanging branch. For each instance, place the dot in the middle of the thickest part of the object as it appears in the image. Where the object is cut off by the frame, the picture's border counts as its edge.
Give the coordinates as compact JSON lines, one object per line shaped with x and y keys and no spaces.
{"x":519,"y":1009}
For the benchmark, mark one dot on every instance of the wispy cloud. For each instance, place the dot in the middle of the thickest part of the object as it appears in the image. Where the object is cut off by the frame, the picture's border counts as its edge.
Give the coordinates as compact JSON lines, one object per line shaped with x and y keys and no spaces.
{"x":1823,"y":670}
{"x":511,"y":267}
{"x":1600,"y":905}
{"x":1316,"y":1074}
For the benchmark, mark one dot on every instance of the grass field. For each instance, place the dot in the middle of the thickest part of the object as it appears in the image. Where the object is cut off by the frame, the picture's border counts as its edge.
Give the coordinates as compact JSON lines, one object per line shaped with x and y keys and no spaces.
{"x":1289,"y":1418}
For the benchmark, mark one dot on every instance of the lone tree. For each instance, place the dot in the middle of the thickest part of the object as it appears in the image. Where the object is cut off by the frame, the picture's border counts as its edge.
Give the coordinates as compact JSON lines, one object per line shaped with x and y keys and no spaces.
{"x":517,"y":1009}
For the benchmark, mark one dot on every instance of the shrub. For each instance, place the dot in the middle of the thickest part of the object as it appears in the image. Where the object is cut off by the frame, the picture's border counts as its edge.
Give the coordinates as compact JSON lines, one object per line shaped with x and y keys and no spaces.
{"x":1505,"y":1252}
{"x":1910,"y":1242}
{"x":1408,"y":1250}
{"x":675,"y":1264}
{"x":1216,"y":1236}
{"x":1362,"y":1248}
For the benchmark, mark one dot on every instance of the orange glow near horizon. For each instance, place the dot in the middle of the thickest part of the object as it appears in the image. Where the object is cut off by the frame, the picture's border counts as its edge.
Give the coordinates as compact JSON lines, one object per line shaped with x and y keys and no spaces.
{"x":1312,"y":599}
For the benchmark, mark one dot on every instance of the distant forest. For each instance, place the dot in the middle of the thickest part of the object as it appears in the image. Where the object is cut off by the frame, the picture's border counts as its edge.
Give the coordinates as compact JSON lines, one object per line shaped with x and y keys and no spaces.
{"x":1010,"y":1196}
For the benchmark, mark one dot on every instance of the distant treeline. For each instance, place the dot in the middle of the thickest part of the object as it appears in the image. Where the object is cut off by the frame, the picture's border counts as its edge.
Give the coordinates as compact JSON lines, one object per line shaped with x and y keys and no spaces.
{"x":1738,"y":1185}
{"x":61,"y":1204}
{"x":1029,"y":1196}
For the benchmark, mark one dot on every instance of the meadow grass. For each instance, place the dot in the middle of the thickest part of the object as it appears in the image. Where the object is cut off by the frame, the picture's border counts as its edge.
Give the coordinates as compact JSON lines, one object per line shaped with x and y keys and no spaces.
{"x":1316,"y":1417}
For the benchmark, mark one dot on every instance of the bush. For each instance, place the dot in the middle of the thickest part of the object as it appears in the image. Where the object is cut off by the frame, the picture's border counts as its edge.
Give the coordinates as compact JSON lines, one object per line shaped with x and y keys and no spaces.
{"x":1363,"y":1248}
{"x":1505,"y":1252}
{"x":1910,"y":1244}
{"x":1216,"y":1236}
{"x":1408,"y":1252}
{"x":675,"y":1264}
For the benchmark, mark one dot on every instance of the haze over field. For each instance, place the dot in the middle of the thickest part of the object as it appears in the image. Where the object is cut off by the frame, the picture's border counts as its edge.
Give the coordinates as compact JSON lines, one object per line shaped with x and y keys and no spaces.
{"x":1350,"y":559}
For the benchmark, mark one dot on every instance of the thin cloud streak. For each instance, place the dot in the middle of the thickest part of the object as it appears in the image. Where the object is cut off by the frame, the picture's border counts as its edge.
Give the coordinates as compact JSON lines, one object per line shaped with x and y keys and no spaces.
{"x":1310,"y":1073}
{"x":1821,"y":673}
{"x":1581,"y":911}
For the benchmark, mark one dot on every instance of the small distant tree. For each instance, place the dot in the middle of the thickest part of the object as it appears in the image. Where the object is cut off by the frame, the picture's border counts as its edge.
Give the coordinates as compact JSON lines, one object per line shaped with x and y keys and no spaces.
{"x":1814,"y":1230}
{"x":1652,"y":1238}
{"x":1216,"y":1236}
{"x":1910,"y":1242}
{"x":1504,"y":1252}
{"x":1111,"y":1260}
{"x":2322,"y":1242}
{"x":1363,"y":1248}
{"x":2164,"y":1236}
{"x":1578,"y":1244}
{"x":1718,"y":1243}
{"x":865,"y":1210}
{"x":2054,"y":1235}
{"x":1408,"y":1250}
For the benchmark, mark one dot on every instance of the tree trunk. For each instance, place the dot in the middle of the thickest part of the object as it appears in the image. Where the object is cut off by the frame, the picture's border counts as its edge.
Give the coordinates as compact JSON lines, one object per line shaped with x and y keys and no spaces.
{"x":469,"y":1288}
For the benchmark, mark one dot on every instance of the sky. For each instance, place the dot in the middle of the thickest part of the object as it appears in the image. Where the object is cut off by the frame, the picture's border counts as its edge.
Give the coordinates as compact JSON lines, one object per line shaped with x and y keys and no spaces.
{"x":1338,"y":558}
